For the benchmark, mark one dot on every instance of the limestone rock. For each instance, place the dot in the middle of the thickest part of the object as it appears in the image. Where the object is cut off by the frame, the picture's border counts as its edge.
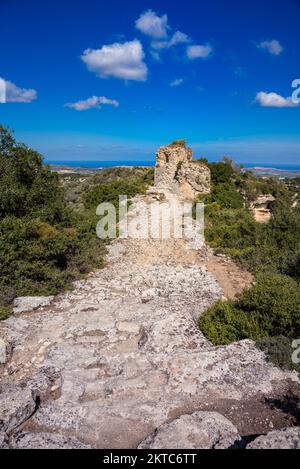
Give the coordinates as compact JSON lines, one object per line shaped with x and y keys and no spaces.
{"x":3,"y":352}
{"x":283,"y":439}
{"x":261,"y":208}
{"x":25,"y":304}
{"x":16,"y":406}
{"x":177,"y":173}
{"x":201,"y":430}
{"x":3,"y":441}
{"x":30,"y":440}
{"x":19,"y":402}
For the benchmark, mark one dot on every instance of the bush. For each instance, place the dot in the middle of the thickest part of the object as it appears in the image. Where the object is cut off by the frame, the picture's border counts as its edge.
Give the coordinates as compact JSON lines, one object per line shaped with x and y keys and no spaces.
{"x":269,"y":308}
{"x":222,"y":172}
{"x":44,"y":245}
{"x":269,"y":312}
{"x":110,"y":192}
{"x":279,"y":351}
{"x":231,"y":231}
{"x":222,"y":324}
{"x":226,"y":195}
{"x":27,"y":187}
{"x":178,"y":143}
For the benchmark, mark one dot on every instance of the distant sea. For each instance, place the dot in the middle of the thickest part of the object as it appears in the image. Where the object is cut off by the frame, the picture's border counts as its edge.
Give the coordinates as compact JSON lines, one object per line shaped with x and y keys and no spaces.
{"x":100,"y":164}
{"x":111,"y":164}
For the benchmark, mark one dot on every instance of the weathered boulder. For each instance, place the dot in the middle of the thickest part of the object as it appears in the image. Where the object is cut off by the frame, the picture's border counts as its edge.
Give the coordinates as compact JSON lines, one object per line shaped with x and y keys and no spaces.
{"x":177,"y":173}
{"x":23,"y":304}
{"x":201,"y":430}
{"x":281,"y":439}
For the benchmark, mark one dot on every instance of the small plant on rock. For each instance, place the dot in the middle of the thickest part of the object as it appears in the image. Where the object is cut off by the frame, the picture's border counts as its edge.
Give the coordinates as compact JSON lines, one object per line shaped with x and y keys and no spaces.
{"x":178,"y":143}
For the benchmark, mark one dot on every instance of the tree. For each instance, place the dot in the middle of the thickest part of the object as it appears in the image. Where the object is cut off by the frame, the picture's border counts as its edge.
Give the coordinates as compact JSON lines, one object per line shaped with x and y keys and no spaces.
{"x":27,"y":187}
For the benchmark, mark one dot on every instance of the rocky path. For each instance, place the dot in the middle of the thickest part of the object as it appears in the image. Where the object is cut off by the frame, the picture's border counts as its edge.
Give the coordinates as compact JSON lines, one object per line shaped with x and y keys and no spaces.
{"x":107,"y":364}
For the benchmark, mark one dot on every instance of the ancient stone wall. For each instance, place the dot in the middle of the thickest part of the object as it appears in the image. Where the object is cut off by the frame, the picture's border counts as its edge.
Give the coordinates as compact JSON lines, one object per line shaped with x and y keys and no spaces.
{"x":176,"y":172}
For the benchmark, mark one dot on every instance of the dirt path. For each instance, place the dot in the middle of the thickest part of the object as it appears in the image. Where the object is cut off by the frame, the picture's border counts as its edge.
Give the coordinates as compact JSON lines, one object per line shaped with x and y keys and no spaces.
{"x":107,"y":364}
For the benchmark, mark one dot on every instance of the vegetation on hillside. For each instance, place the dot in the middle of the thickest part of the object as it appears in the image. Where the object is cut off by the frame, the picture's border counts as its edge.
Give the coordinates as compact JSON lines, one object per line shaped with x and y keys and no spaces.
{"x":178,"y":143}
{"x":270,"y":310}
{"x":46,"y":239}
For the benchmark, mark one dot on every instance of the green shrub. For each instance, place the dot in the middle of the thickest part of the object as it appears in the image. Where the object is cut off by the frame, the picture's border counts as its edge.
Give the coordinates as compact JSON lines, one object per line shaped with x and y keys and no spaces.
{"x":226,"y":195}
{"x":178,"y":143}
{"x":4,"y":312}
{"x":223,"y":324}
{"x":270,"y":308}
{"x":203,"y":161}
{"x":44,"y":245}
{"x":279,"y":351}
{"x":268,"y":312}
{"x":222,"y":172}
{"x":110,"y":192}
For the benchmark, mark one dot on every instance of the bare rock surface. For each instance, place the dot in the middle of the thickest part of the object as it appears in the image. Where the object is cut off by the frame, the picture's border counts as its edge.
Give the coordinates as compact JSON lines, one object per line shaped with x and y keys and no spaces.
{"x":24,"y":304}
{"x":288,"y":438}
{"x":201,"y":430}
{"x":3,"y":352}
{"x":46,"y":441}
{"x":120,"y":356}
{"x":261,"y":208}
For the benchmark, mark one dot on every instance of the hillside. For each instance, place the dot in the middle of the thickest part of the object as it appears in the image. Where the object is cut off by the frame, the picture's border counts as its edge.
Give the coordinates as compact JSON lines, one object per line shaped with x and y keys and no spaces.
{"x":121,"y":356}
{"x":154,"y":341}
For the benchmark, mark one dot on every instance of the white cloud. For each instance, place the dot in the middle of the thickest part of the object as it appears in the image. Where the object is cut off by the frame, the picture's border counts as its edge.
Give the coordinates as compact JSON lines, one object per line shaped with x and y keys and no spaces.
{"x":199,"y":51}
{"x":152,"y":25}
{"x":155,"y":55}
{"x":177,"y":38}
{"x":93,"y":102}
{"x":176,"y":82}
{"x":273,"y":47}
{"x":274,"y":100}
{"x":124,"y":61}
{"x":14,"y":94}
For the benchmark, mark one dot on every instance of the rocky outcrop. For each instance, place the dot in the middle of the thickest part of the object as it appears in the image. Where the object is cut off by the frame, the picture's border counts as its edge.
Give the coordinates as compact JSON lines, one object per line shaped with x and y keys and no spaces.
{"x":177,"y":173}
{"x":261,"y":208}
{"x":288,"y":438}
{"x":201,"y":430}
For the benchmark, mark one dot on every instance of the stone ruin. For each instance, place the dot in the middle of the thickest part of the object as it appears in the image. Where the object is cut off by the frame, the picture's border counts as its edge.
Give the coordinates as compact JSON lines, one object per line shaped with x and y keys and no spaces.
{"x":176,"y":173}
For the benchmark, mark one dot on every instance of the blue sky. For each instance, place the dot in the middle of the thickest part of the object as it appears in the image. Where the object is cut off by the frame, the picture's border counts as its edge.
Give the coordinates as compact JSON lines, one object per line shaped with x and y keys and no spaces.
{"x":114,"y":80}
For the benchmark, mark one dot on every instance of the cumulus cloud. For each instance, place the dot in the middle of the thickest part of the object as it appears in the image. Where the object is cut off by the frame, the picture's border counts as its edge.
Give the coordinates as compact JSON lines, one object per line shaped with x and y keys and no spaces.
{"x":152,"y":25}
{"x":177,"y":38}
{"x":158,"y":29}
{"x":273,"y":47}
{"x":94,"y":102}
{"x":14,"y":94}
{"x":273,"y":100}
{"x":199,"y":51}
{"x":176,"y":82}
{"x":124,"y":61}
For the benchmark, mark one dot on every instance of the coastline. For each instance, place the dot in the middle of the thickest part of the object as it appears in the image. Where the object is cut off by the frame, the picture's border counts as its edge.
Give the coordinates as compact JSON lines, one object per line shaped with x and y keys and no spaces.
{"x":90,"y":167}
